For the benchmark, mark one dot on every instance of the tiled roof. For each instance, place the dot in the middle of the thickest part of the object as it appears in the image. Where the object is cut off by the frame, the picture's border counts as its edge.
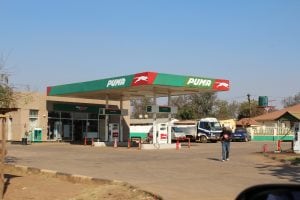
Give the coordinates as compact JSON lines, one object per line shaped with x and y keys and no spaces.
{"x":293,"y":110}
{"x":247,"y":122}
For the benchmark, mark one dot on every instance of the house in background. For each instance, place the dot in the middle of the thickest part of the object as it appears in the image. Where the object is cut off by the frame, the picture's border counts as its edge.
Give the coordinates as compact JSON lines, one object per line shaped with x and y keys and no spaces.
{"x":277,"y":125}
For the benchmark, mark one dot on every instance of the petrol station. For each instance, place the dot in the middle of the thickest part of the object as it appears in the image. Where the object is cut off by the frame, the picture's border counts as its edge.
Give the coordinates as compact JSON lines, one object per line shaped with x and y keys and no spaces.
{"x":145,"y":84}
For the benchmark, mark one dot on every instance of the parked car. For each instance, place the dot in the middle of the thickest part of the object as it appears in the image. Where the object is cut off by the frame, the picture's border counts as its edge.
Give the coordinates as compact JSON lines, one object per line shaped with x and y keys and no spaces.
{"x":241,"y":134}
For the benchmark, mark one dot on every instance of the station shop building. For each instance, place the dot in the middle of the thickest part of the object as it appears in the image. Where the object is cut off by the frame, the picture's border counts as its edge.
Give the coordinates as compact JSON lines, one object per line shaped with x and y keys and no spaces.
{"x":42,"y":118}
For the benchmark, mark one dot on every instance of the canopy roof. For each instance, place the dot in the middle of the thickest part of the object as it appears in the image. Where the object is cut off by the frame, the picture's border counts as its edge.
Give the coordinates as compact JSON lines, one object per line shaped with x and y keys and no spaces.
{"x":140,"y":84}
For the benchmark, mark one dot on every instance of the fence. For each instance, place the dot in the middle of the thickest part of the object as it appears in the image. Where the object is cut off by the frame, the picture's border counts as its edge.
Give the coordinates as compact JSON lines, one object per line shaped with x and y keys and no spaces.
{"x":271,"y":133}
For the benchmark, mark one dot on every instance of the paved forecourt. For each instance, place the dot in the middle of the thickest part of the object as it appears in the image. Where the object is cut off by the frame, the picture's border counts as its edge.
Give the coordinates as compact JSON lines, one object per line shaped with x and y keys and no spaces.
{"x":194,"y":173}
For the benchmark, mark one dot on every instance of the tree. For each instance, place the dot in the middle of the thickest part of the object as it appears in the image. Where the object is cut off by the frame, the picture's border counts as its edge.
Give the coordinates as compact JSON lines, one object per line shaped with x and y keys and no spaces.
{"x":6,"y":90}
{"x":194,"y":106}
{"x":6,"y":103}
{"x":202,"y":104}
{"x":244,"y":109}
{"x":182,"y":103}
{"x":291,"y":101}
{"x":139,"y":106}
{"x":225,"y":110}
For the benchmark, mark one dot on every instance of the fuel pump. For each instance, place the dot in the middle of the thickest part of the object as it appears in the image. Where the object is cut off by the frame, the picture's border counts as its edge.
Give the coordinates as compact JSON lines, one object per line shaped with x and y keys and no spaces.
{"x":296,"y":147}
{"x":113,"y":131}
{"x":162,"y":136}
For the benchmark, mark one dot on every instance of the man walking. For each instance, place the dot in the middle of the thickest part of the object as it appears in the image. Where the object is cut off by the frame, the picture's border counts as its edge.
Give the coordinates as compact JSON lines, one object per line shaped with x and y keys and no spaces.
{"x":225,"y":138}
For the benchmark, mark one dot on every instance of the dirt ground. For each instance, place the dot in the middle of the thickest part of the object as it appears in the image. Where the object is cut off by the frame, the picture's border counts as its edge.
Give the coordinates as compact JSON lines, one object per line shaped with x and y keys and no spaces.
{"x":286,"y":157}
{"x":24,"y":185}
{"x":21,"y":185}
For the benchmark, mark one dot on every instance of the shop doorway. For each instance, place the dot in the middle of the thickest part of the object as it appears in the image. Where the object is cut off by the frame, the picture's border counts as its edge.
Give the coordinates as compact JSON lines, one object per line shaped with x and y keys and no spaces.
{"x":79,"y":129}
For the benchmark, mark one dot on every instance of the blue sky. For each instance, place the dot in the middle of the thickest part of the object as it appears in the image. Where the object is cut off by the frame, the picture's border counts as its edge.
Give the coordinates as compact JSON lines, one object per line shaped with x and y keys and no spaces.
{"x":255,"y":44}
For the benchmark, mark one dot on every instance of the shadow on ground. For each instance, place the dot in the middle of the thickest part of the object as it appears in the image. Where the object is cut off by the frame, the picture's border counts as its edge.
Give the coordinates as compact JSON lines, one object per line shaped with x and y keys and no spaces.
{"x":285,"y":171}
{"x":214,"y":159}
{"x":10,"y":159}
{"x":7,"y":178}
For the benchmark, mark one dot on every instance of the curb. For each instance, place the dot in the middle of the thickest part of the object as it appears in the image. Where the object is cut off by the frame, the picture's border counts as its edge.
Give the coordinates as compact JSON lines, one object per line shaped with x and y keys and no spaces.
{"x":74,"y":178}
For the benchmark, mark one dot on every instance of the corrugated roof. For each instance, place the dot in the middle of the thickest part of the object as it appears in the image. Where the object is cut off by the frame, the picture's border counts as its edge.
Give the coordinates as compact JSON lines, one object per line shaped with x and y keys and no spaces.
{"x":277,"y":114}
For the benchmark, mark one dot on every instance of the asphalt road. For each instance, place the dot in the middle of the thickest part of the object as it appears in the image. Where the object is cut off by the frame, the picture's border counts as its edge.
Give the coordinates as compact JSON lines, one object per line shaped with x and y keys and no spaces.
{"x":195,"y":173}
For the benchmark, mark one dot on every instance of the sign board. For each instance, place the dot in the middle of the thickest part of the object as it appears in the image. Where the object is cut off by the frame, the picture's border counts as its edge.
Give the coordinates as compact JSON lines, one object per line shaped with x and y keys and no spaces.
{"x":161,"y":109}
{"x":110,"y":111}
{"x":151,"y":109}
{"x":164,"y":109}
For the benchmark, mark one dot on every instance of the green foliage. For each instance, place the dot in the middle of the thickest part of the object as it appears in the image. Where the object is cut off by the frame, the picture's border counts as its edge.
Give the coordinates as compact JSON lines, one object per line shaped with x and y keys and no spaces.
{"x":221,"y":109}
{"x":6,"y":91}
{"x":6,"y":96}
{"x":244,"y":109}
{"x":186,"y":113}
{"x":194,"y":106}
{"x":203,"y":103}
{"x":139,"y":107}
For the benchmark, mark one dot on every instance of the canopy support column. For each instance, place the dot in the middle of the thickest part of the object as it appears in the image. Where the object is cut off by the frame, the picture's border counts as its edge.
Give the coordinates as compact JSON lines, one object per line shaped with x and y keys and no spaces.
{"x":106,"y":118}
{"x":169,"y":120}
{"x":121,"y":120}
{"x":155,"y":140}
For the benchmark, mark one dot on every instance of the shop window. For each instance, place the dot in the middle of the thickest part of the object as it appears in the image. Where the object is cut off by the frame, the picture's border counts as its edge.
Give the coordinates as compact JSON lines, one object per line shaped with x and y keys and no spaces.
{"x":53,"y":114}
{"x":93,"y":116}
{"x":66,"y":115}
{"x":92,"y":126}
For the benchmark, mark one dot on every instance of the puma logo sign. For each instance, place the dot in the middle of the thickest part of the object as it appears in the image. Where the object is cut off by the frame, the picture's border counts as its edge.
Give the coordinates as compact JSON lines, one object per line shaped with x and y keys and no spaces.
{"x":222,"y":84}
{"x":141,"y":78}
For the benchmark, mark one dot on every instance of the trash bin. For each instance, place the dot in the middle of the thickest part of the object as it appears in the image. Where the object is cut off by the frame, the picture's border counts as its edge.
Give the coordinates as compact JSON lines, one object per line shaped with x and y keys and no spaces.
{"x":24,"y":141}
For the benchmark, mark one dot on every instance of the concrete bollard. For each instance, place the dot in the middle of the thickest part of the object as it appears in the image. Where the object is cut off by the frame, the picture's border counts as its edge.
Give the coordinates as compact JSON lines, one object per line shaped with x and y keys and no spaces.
{"x":265,"y":148}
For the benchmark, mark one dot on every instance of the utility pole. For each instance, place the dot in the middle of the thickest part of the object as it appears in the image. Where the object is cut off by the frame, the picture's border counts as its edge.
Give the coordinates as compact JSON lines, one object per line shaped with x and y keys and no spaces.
{"x":249,"y":101}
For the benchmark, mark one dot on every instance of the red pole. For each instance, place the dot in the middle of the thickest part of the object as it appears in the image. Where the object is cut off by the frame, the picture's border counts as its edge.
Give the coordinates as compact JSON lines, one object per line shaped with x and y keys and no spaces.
{"x":128,"y":144}
{"x":279,"y":145}
{"x":177,"y":144}
{"x":92,"y":141}
{"x":84,"y":140}
{"x":265,"y":148}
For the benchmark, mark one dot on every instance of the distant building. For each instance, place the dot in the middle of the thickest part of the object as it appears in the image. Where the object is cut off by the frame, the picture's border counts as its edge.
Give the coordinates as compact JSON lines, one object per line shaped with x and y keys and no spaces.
{"x":277,"y":125}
